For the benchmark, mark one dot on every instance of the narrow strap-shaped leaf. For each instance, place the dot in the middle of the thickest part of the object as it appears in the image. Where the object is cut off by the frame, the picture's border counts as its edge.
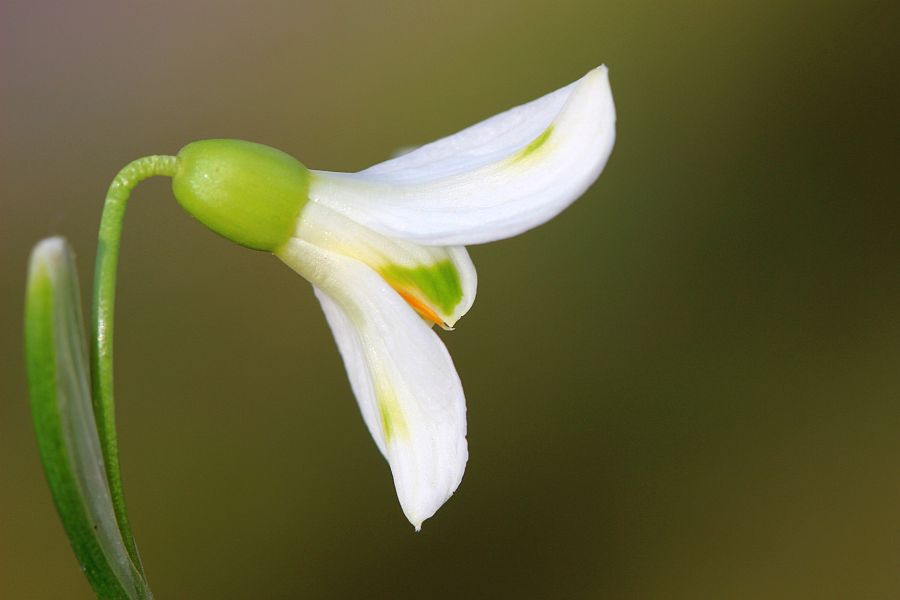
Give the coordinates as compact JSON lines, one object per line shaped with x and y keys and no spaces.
{"x":60,"y":392}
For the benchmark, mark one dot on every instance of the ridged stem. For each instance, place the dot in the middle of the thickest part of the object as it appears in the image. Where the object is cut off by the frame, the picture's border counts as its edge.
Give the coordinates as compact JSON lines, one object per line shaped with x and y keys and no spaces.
{"x":103,"y":308}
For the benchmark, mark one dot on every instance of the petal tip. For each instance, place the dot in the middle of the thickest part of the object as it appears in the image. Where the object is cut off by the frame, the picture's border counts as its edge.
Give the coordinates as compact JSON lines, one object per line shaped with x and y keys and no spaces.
{"x":419,"y":515}
{"x":415,"y":519}
{"x":423,"y":506}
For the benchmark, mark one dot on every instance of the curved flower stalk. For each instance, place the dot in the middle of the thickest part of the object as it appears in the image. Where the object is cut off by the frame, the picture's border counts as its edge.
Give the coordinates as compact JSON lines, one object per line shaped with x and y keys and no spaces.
{"x":384,"y":251}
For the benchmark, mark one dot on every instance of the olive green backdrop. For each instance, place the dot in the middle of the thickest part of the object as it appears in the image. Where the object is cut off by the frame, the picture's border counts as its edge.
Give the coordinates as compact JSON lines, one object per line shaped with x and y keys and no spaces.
{"x":686,"y":386}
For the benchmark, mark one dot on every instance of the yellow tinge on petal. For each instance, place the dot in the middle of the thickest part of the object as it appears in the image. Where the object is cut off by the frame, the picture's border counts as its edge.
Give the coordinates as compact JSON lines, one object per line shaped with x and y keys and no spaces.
{"x":535,"y":145}
{"x":393,"y":423}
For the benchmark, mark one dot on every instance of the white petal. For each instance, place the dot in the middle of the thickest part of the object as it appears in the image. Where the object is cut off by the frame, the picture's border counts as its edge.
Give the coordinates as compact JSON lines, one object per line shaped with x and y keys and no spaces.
{"x":440,"y":281}
{"x":404,"y":380}
{"x":491,"y":181}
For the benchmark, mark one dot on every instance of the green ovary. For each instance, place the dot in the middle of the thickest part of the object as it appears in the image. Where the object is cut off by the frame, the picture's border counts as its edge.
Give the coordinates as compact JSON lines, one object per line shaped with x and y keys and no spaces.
{"x":438,"y":283}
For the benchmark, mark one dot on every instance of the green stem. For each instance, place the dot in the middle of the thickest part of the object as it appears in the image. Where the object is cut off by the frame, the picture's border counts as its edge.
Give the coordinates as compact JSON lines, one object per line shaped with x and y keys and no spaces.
{"x":102,"y":338}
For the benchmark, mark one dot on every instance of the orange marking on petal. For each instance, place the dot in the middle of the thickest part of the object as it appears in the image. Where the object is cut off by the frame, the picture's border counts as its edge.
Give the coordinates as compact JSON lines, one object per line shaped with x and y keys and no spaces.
{"x":423,"y":309}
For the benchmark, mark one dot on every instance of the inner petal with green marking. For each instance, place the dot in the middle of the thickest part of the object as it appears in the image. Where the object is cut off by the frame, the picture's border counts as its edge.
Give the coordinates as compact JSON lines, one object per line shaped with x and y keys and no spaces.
{"x":436,"y":285}
{"x":438,"y":282}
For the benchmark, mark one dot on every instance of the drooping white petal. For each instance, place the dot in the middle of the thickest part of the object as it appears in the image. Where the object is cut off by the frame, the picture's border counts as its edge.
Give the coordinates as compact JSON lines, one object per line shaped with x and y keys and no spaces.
{"x":404,"y":380}
{"x":440,"y":282}
{"x":491,"y":181}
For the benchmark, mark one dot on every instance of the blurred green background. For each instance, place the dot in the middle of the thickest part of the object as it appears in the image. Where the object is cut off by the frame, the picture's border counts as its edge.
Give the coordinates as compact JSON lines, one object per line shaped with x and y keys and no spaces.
{"x":686,"y":386}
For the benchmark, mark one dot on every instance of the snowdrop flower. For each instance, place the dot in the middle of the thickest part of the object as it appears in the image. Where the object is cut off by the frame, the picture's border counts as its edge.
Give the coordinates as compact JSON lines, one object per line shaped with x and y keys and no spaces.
{"x":384,"y":251}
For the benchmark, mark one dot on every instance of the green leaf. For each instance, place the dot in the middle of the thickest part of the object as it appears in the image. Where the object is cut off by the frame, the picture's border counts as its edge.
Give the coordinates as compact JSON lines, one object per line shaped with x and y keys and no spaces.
{"x":60,"y":391}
